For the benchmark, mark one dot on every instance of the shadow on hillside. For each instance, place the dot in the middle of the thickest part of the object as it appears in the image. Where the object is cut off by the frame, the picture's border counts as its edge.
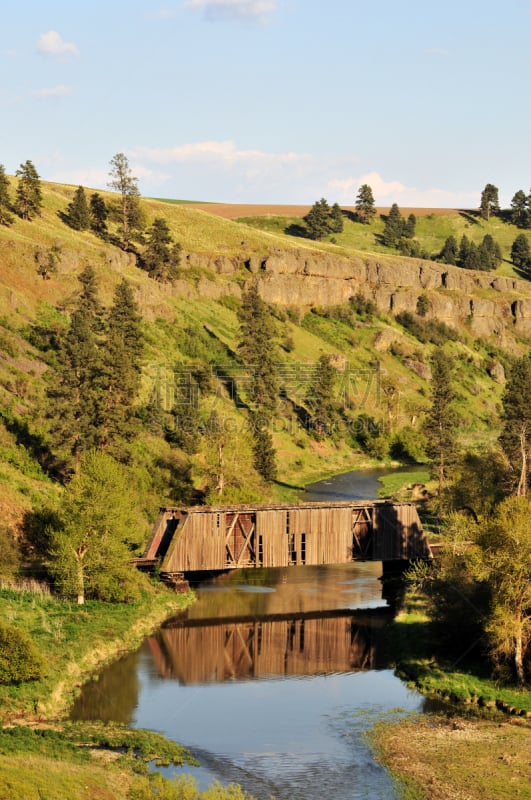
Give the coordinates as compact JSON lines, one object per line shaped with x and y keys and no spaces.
{"x":470,"y":216}
{"x":34,"y":444}
{"x":297,"y":230}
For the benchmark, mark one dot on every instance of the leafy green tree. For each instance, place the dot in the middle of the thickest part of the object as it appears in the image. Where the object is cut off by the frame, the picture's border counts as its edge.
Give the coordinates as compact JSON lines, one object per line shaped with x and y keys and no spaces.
{"x":162,"y":255}
{"x":450,"y":251}
{"x":126,"y":184}
{"x":91,"y":550}
{"x":394,"y":227}
{"x":505,"y":563}
{"x":20,"y":661}
{"x":258,"y":350}
{"x":515,"y":437}
{"x":123,"y":347}
{"x":441,"y":423}
{"x":490,"y":203}
{"x":365,"y":209}
{"x":519,"y":210}
{"x":228,"y":463}
{"x":321,"y":398}
{"x":521,"y":252}
{"x":5,"y":198}
{"x":78,"y":212}
{"x":28,"y":198}
{"x":98,"y":214}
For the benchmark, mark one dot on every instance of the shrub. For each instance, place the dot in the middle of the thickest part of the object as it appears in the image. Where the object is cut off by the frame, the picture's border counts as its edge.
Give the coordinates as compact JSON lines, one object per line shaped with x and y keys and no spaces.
{"x":19,"y":658}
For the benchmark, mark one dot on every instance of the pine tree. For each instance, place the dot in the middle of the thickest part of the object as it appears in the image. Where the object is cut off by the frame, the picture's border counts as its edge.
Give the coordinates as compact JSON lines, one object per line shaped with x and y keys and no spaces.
{"x":472,"y":260}
{"x":519,"y":210}
{"x":124,"y":182}
{"x":5,"y":199}
{"x":258,"y":350}
{"x":121,"y":371}
{"x":28,"y":200}
{"x":440,"y":426}
{"x":515,"y":437}
{"x":318,"y":219}
{"x":162,"y":255}
{"x":73,"y":394}
{"x":98,"y":214}
{"x":489,"y":201}
{"x":521,"y":252}
{"x":450,"y":251}
{"x":263,"y":449}
{"x":320,"y":398}
{"x":394,"y":227}
{"x":489,"y":253}
{"x":335,"y":224}
{"x":78,"y":213}
{"x":365,"y":209}
{"x":89,"y":300}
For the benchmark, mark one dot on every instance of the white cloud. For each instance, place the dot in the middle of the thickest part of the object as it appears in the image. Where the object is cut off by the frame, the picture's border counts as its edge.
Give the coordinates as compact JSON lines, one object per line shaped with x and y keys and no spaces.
{"x":224,"y":153}
{"x":388,"y":192}
{"x":53,"y":91}
{"x":235,"y":9}
{"x":92,"y":177}
{"x":51,"y":44}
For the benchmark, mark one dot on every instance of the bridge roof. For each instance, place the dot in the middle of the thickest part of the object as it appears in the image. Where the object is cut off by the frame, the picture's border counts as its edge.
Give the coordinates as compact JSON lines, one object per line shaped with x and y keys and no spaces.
{"x":250,"y":507}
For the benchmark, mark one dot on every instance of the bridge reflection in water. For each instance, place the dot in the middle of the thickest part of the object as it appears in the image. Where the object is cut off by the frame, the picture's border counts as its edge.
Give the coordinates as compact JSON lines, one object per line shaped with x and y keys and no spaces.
{"x":246,"y":648}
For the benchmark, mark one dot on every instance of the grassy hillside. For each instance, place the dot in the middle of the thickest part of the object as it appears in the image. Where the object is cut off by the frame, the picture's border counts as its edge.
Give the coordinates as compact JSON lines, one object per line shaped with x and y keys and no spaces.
{"x":183,"y":325}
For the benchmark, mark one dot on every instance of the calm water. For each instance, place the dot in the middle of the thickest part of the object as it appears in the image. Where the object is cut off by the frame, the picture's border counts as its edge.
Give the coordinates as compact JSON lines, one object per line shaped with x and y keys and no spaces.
{"x":271,"y":679}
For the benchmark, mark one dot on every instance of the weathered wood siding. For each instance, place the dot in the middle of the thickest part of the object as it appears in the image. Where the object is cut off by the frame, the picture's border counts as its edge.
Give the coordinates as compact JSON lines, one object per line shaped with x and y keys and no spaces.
{"x":230,"y":537}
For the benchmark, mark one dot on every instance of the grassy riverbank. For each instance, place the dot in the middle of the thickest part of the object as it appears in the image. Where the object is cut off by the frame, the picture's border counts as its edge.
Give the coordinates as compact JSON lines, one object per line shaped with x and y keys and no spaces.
{"x":436,"y":757}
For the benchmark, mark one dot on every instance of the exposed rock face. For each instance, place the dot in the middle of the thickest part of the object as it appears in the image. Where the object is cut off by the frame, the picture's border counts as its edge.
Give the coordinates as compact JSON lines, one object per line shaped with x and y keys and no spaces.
{"x":489,"y":305}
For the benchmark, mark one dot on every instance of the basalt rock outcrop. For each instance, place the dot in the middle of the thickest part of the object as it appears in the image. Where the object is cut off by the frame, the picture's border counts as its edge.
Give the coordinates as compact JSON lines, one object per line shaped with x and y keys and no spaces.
{"x":488,"y":304}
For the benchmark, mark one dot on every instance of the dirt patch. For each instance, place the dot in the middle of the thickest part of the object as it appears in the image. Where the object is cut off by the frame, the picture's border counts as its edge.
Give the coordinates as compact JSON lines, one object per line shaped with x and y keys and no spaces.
{"x":237,"y":210}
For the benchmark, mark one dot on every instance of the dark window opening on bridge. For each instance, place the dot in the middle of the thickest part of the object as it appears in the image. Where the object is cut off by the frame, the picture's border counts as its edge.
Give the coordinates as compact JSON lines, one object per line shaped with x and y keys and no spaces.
{"x":292,"y":549}
{"x":303,"y":548}
{"x":260,"y":550}
{"x":287,"y":522}
{"x":218,"y":521}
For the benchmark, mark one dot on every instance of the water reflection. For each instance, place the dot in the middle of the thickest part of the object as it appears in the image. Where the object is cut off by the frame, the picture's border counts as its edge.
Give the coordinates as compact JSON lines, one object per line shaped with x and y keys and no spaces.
{"x":245,"y":649}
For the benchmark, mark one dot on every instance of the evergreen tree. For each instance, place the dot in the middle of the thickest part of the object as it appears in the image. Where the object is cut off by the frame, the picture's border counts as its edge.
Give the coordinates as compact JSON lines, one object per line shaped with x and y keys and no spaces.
{"x":78,"y":213}
{"x":318,"y":219}
{"x":5,"y":199}
{"x":263,"y":449}
{"x":450,"y":251}
{"x":162,"y":255}
{"x":320,"y":398}
{"x":258,"y":350}
{"x":335,"y":223}
{"x":472,"y":259}
{"x":464,"y":248}
{"x":73,"y":393}
{"x":89,"y":300}
{"x":489,"y":253}
{"x":489,"y":201}
{"x":519,"y":210}
{"x":515,"y":437}
{"x":98,"y":214}
{"x":365,"y":209}
{"x":121,"y":371}
{"x":394,"y":227}
{"x":124,"y":182}
{"x":409,"y":227}
{"x":440,"y":426}
{"x":28,"y":199}
{"x":521,"y":252}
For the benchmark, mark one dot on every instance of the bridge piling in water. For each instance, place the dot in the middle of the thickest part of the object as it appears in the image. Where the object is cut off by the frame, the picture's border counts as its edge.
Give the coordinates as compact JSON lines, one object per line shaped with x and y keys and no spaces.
{"x":216,"y":538}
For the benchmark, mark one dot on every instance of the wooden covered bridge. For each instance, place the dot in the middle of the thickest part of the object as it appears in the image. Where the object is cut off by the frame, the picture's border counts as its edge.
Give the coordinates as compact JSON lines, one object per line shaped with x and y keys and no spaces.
{"x":216,"y":538}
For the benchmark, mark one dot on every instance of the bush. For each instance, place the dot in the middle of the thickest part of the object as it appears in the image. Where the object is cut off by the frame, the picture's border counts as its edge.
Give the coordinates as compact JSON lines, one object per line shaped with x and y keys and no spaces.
{"x":20,"y":660}
{"x":408,"y":445}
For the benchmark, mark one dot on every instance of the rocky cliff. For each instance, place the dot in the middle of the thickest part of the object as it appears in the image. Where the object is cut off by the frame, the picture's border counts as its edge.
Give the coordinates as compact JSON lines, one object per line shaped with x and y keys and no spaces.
{"x":490,"y":305}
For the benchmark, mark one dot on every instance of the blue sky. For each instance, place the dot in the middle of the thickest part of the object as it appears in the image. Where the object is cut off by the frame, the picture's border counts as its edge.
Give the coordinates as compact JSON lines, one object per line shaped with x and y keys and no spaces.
{"x":272,"y":101}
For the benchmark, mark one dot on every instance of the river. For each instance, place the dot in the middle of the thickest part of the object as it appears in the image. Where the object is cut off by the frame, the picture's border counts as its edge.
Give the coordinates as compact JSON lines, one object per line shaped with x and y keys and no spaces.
{"x":272,"y":678}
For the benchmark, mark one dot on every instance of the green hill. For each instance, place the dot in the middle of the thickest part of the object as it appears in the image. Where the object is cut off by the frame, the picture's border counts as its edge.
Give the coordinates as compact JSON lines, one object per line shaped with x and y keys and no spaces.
{"x":382,"y":366}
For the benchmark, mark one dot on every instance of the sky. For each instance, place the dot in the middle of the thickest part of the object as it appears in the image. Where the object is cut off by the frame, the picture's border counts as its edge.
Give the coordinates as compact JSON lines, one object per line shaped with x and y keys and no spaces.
{"x":272,"y":101}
